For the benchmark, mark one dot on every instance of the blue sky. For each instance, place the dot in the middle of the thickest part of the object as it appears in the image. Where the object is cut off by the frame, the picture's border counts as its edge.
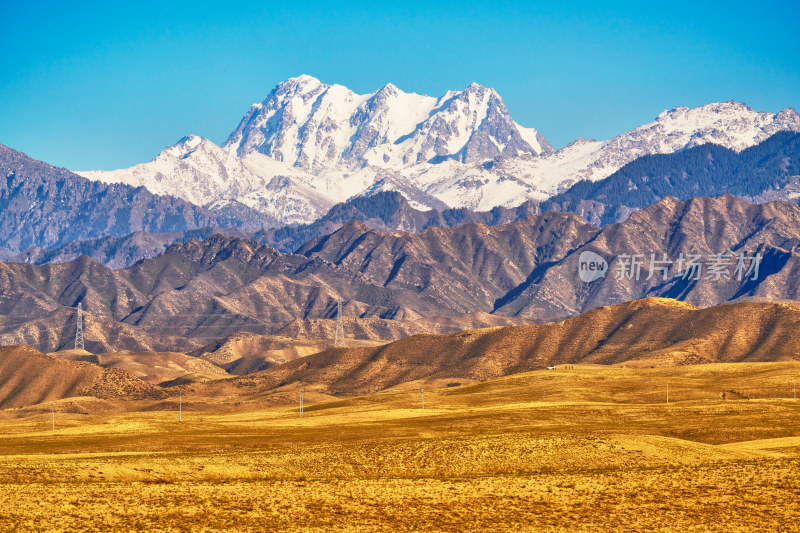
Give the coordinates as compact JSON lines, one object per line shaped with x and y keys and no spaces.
{"x":103,"y":86}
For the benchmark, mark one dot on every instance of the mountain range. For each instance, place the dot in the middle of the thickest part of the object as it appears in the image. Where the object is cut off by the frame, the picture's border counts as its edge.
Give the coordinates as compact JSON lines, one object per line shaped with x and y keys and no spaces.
{"x":198,"y":292}
{"x":50,"y":214}
{"x":194,"y":248}
{"x":203,"y":290}
{"x":460,"y":245}
{"x":310,"y":145}
{"x":385,"y":211}
{"x":767,"y":171}
{"x":764,"y":172}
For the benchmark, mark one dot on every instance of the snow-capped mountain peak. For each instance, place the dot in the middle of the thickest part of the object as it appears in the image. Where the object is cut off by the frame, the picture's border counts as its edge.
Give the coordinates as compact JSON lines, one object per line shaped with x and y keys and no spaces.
{"x":186,"y":146}
{"x":309,"y":145}
{"x":206,"y":174}
{"x":469,"y":126}
{"x":315,"y":126}
{"x":731,"y":124}
{"x":788,"y":115}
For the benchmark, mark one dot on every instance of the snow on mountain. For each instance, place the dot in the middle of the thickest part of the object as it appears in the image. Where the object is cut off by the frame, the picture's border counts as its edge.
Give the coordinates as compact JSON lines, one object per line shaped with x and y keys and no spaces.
{"x":730,"y":124}
{"x":470,"y":126}
{"x":313,"y":126}
{"x":196,"y":166}
{"x":203,"y":173}
{"x":309,"y":145}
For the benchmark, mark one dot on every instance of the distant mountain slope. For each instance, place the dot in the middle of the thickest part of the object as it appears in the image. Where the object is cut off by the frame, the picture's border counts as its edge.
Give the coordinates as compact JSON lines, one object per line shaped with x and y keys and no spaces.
{"x":644,"y":332}
{"x":767,"y":171}
{"x":114,"y":252}
{"x":732,"y":125}
{"x":386,"y":211}
{"x":199,"y":171}
{"x":118,"y":252}
{"x":701,"y":226}
{"x":45,"y":206}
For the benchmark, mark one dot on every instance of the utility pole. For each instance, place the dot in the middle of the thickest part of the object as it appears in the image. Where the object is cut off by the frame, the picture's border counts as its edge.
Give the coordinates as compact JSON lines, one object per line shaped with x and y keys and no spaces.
{"x":79,"y":329}
{"x":339,"y":338}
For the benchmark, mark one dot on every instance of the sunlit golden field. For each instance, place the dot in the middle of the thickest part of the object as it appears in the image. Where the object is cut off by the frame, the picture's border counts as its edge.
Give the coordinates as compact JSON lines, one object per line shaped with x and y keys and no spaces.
{"x":592,"y":448}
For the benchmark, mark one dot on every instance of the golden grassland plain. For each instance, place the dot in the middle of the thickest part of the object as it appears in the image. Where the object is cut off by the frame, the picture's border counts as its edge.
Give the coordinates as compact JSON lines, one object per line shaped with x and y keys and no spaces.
{"x":588,"y":448}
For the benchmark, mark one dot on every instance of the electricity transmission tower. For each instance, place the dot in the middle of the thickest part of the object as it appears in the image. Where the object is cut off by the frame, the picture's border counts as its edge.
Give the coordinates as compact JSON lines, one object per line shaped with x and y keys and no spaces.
{"x":339,"y":339}
{"x":79,"y":329}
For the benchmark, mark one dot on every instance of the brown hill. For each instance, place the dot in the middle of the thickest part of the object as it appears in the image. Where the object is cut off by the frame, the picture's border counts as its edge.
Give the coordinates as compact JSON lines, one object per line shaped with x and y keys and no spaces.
{"x":152,"y":367}
{"x":244,"y":353}
{"x":649,"y":332}
{"x":28,"y":377}
{"x":298,"y":338}
{"x":381,"y":329}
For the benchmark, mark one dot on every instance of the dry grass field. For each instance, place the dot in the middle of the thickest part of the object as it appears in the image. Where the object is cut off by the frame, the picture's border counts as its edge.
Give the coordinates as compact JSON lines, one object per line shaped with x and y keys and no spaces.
{"x":588,"y":448}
